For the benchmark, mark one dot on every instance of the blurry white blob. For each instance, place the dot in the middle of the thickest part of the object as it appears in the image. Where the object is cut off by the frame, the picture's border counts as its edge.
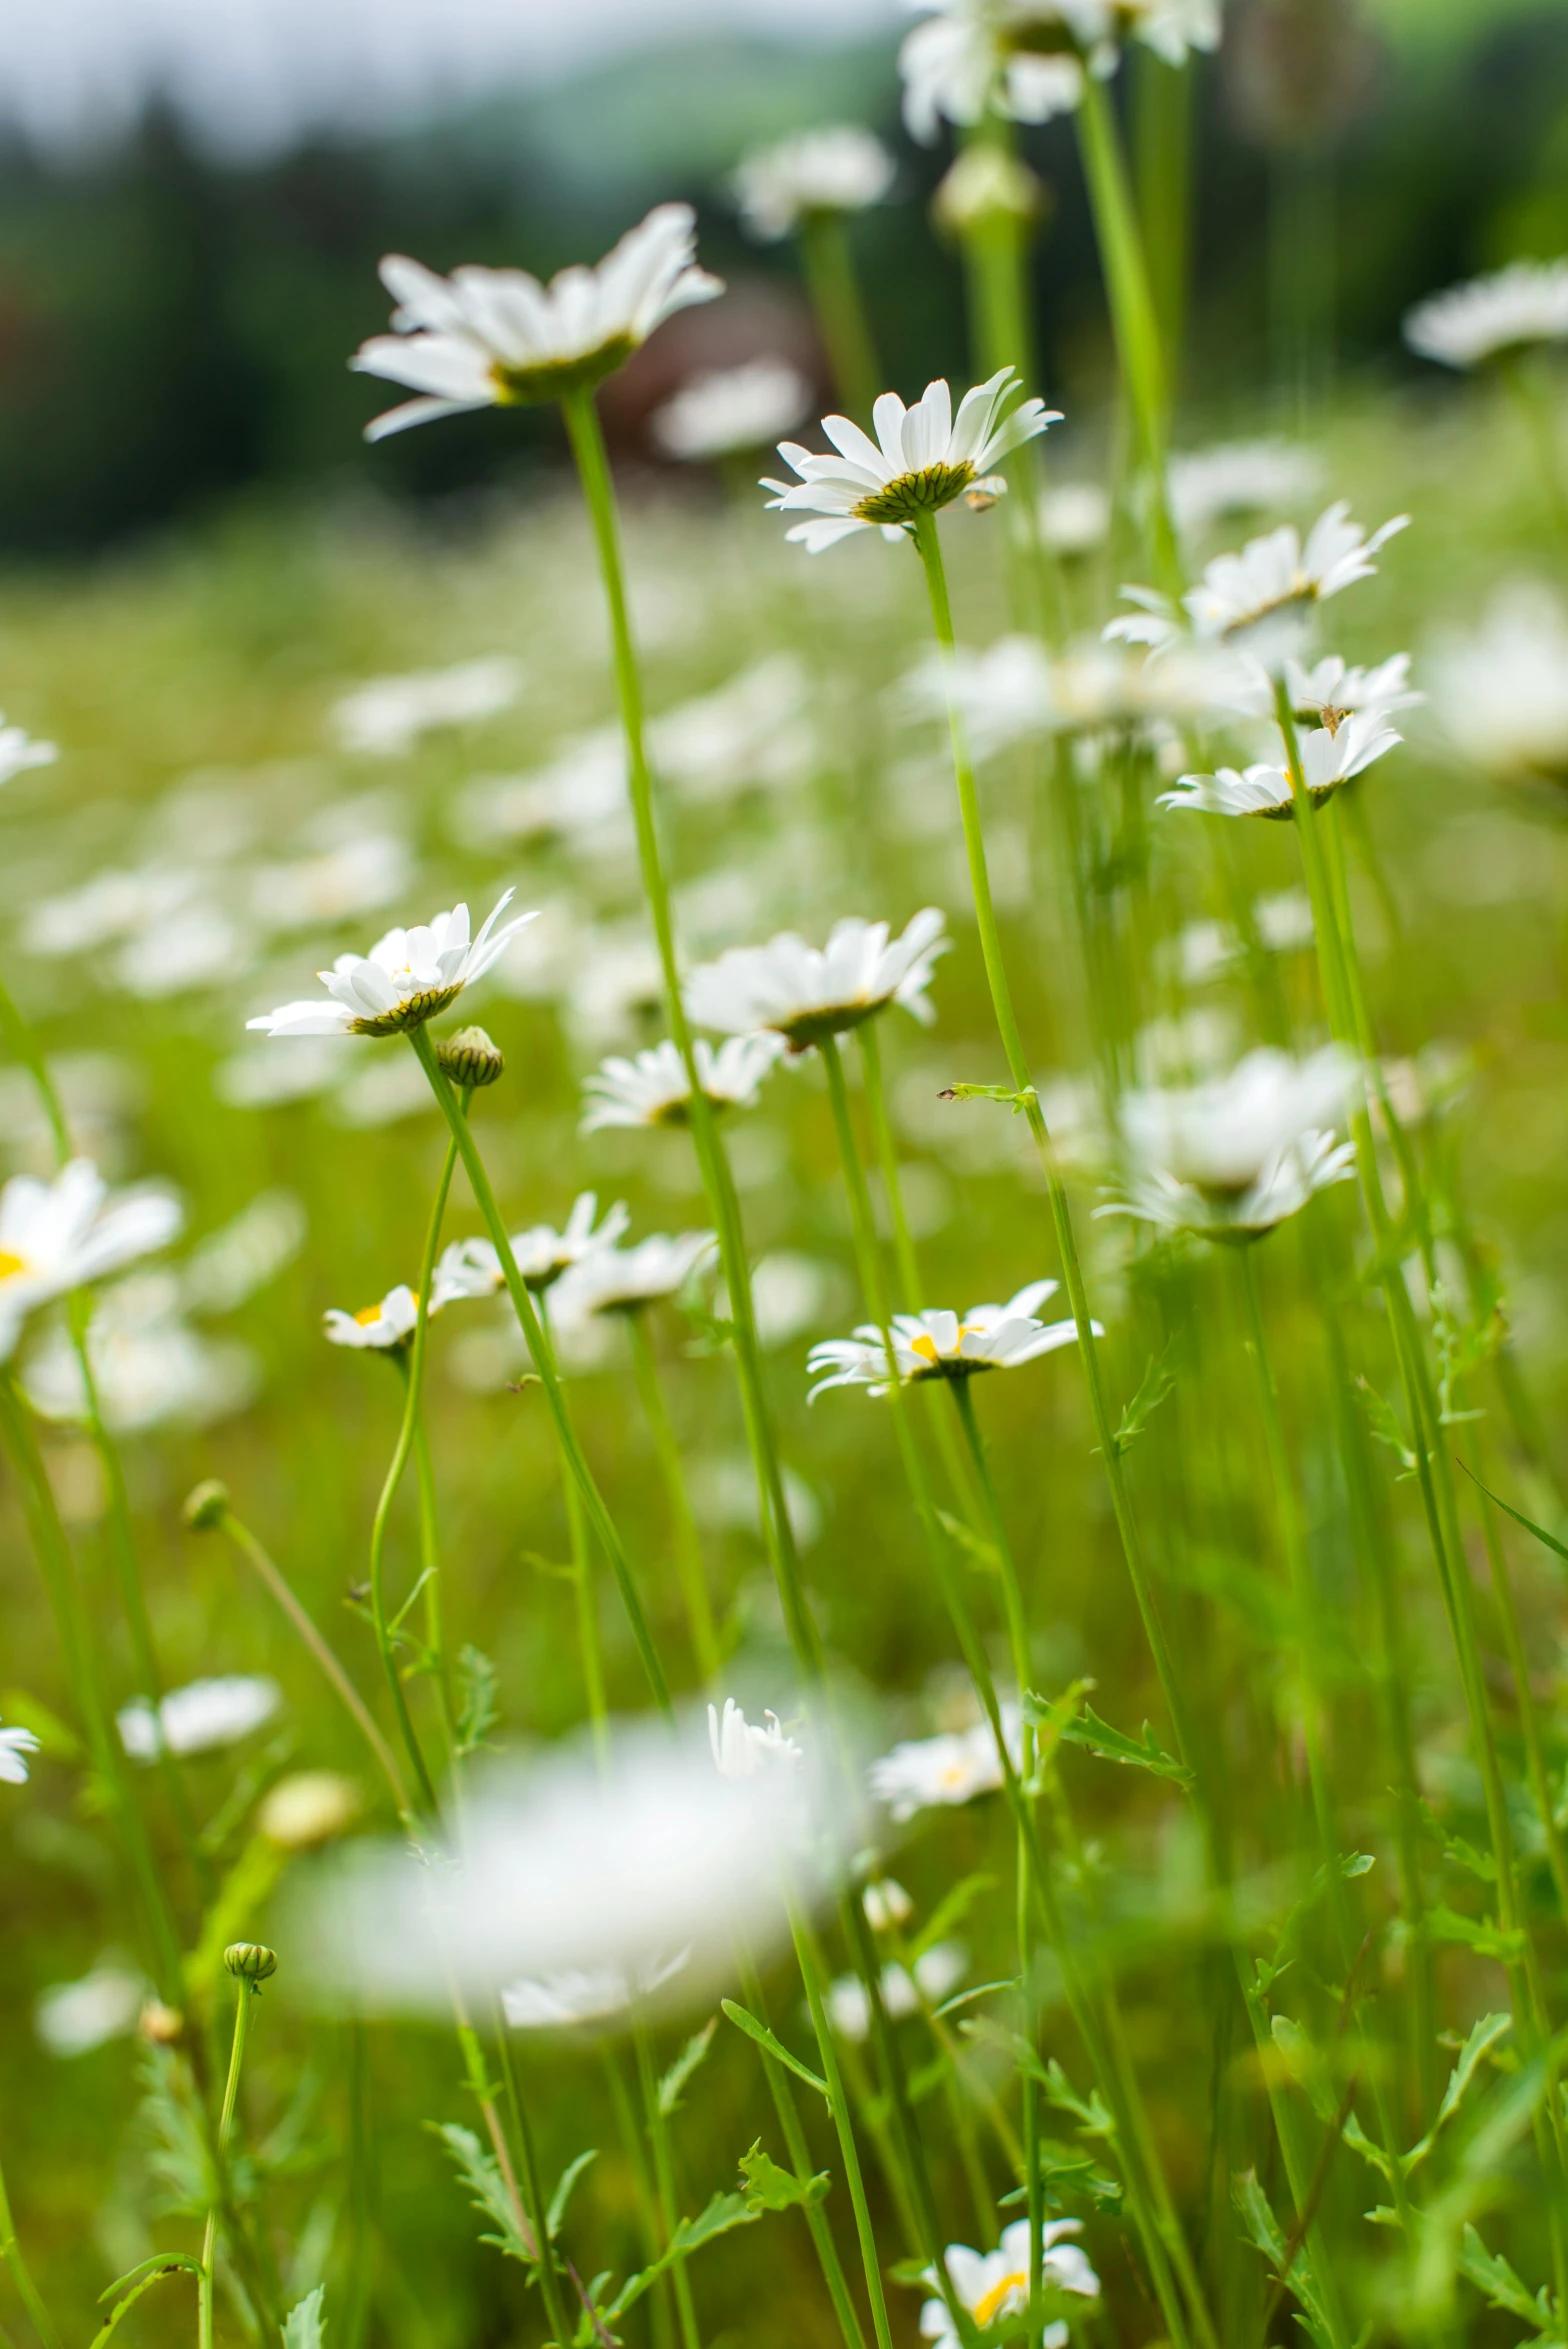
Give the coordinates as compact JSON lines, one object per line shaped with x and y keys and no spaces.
{"x":724,"y":1494}
{"x":243,"y":1255}
{"x":112,"y":906}
{"x":789,"y":1294}
{"x":1075,"y":517}
{"x":929,"y":1773}
{"x":936,"y":1971}
{"x":150,"y":1367}
{"x":258,"y":1078}
{"x":200,"y":1717}
{"x":732,"y":410}
{"x":839,"y":168}
{"x":1240,"y":477}
{"x":886,"y":1904}
{"x":571,"y":1999}
{"x":75,"y":2017}
{"x":1015,"y":688}
{"x":19,"y":750}
{"x":15,"y":1746}
{"x":386,"y":716}
{"x":65,"y":1234}
{"x":356,"y":877}
{"x":382,"y":1093}
{"x":1501,"y":692}
{"x":574,"y":1868}
{"x":189,"y":948}
{"x":1491,"y":316}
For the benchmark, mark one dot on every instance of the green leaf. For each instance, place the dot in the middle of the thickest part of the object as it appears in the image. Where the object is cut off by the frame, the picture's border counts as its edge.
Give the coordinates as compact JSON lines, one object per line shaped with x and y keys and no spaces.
{"x":305,"y":2324}
{"x":767,"y":2187}
{"x":1306,"y":2065}
{"x":1359,"y":2142}
{"x":481,"y":2174}
{"x":1090,"y":2114}
{"x":684,"y":2065}
{"x":1098,"y":1737}
{"x":479,"y":1708}
{"x":1502,"y":2288}
{"x":1266,"y":2235}
{"x":771,"y":2046}
{"x":1015,"y":1101}
{"x":1067,"y":2169}
{"x":131,"y":2286}
{"x":1519,"y":1517}
{"x":1384,"y":1423}
{"x":1155,"y":1385}
{"x":1479,"y":1864}
{"x":1049,"y":1717}
{"x":555,"y":2216}
{"x":1483,"y":2037}
{"x":723,"y":2213}
{"x":1479,"y":1934}
{"x":985,"y":1554}
{"x":950,"y":1912}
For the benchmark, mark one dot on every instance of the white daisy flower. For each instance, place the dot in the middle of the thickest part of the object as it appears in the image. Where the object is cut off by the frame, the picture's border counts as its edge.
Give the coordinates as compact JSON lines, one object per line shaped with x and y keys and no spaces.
{"x":1026,"y":58}
{"x":995,"y":2284}
{"x":1075,"y":517}
{"x":841,"y":168}
{"x":485,"y":338}
{"x":1261,"y":601}
{"x":407,"y":977}
{"x":62,"y":1235}
{"x":542,"y":1254}
{"x":382,"y":1327}
{"x":1487,"y":316}
{"x":568,"y":2000}
{"x":921,"y":460}
{"x":623,"y":1280}
{"x":741,"y":1748}
{"x":731,"y":410}
{"x":1502,"y":692}
{"x":1328,"y":761}
{"x":905,"y":1991}
{"x":15,"y":1746}
{"x":1326,"y":694}
{"x":653,"y":1089}
{"x":934,"y":1773}
{"x":1235,"y":1156}
{"x":1239,"y":477}
{"x":940,"y":1344}
{"x":200,"y":1717}
{"x":1016,"y":688}
{"x":1284,"y":1185}
{"x":150,"y":1367}
{"x":804,"y":993}
{"x":19,"y":751}
{"x":386,"y":716}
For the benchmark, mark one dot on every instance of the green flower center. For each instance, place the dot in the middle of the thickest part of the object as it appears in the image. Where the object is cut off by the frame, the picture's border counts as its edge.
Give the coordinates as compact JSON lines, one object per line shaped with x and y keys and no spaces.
{"x":552,"y":379}
{"x":910,"y":494}
{"x":412,"y":1013}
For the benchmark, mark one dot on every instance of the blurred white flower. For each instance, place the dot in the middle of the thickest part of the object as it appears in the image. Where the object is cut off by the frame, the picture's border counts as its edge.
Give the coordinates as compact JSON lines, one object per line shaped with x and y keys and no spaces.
{"x":805,"y":993}
{"x":732,"y":409}
{"x":1326,"y":694}
{"x":1026,"y":58}
{"x":1235,"y":1156}
{"x":570,"y":1999}
{"x":940,"y":1344}
{"x":192,"y":947}
{"x":498,"y":338}
{"x":995,"y":2284}
{"x":379,"y":1090}
{"x":407,"y":977}
{"x":1239,"y":477}
{"x":542,"y":1253}
{"x":1328,"y":760}
{"x":19,"y":751}
{"x":150,"y":1367}
{"x":15,"y":1746}
{"x":788,"y":1293}
{"x":1502,"y":691}
{"x":243,"y":1255}
{"x":753,"y":732}
{"x":840,"y":168}
{"x":1489,"y":316}
{"x":936,"y":1971}
{"x":571,"y":1866}
{"x":921,"y":460}
{"x":308,"y":1808}
{"x":357,"y":877}
{"x":62,"y":1235}
{"x":1016,"y":688}
{"x":1261,"y":601}
{"x":385,"y":717}
{"x":1204,"y":950}
{"x":200,"y":1717}
{"x":930,"y":1773}
{"x":652,"y":1089}
{"x":984,"y":183}
{"x":886,"y":1904}
{"x":742,"y":1748}
{"x":75,"y":2017}
{"x":1075,"y":517}
{"x":381,"y":1327}
{"x":257,"y":1078}
{"x":112,"y":906}
{"x":623,"y":1280}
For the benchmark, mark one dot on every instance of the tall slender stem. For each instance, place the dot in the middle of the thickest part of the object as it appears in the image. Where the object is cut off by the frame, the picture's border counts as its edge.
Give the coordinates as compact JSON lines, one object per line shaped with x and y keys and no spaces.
{"x":209,"y":2250}
{"x":840,"y":310}
{"x":849,"y":2152}
{"x":664,"y":2185}
{"x":687,"y":1540}
{"x":21,"y":2275}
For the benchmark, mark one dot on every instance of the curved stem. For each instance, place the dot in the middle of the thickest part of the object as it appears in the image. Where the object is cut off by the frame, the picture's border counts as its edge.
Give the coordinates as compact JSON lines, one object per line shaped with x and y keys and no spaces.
{"x":849,"y":2152}
{"x":21,"y":2275}
{"x":687,"y":1540}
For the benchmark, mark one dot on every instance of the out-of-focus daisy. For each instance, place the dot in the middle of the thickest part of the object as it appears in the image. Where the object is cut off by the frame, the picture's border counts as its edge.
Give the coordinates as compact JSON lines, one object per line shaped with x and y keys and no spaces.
{"x":200,"y":1717}
{"x":542,"y":1254}
{"x":62,"y":1235}
{"x":934,"y":1773}
{"x":1262,"y":600}
{"x":1326,"y":694}
{"x":356,"y":877}
{"x":1282,"y":921}
{"x":20,"y":751}
{"x":905,"y":1990}
{"x":1027,"y":58}
{"x":624,"y":1280}
{"x":653,"y":1089}
{"x":1075,"y":517}
{"x":1488,"y":317}
{"x":1502,"y":692}
{"x":73,"y":2018}
{"x":1015,"y":688}
{"x":307,"y":1809}
{"x":805,"y":993}
{"x":485,"y":338}
{"x":1233,"y":1157}
{"x":886,"y":1904}
{"x":150,"y":1366}
{"x":984,"y":183}
{"x":995,"y":2284}
{"x":1328,"y":761}
{"x":732,"y":409}
{"x":381,"y":1327}
{"x":1239,"y":477}
{"x":407,"y":977}
{"x":15,"y":1746}
{"x":386,"y":716}
{"x":570,"y":2000}
{"x":943,"y":1344}
{"x":921,"y":460}
{"x":741,"y":1748}
{"x":840,"y":168}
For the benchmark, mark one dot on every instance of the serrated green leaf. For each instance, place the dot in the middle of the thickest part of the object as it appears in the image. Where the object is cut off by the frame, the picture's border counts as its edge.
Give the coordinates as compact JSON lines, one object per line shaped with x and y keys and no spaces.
{"x":1384,"y":1423}
{"x":685,"y":2064}
{"x":305,"y":2324}
{"x":1265,"y":2233}
{"x":140,"y":2279}
{"x":1477,"y":1933}
{"x":771,"y":2046}
{"x":480,"y":1706}
{"x":1066,"y":2169}
{"x":1483,"y":2037}
{"x":555,"y":2216}
{"x":1153,"y":1388}
{"x":481,"y":2174}
{"x":724,"y":2212}
{"x":1098,"y":1737}
{"x":767,"y":2187}
{"x":1479,"y":1864}
{"x":1502,"y":2287}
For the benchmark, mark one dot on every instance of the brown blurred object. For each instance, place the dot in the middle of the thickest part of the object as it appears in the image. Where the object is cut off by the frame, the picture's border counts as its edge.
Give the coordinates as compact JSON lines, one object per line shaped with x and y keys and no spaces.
{"x":1297,"y":72}
{"x":758,"y":318}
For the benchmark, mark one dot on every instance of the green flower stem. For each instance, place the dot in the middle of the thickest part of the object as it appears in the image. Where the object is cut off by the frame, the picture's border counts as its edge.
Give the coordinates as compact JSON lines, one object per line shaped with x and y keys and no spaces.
{"x":315,"y":1640}
{"x":590,"y":1642}
{"x":849,"y":2152}
{"x":1134,"y":318}
{"x":582,"y":424}
{"x":430,"y":1580}
{"x":840,"y":311}
{"x":21,"y":2275}
{"x":996,"y":274}
{"x":58,"y":1568}
{"x":209,"y":2250}
{"x":688,"y":1542}
{"x":526,"y":2199}
{"x":1162,"y":125}
{"x":573,"y":1458}
{"x":664,"y":2185}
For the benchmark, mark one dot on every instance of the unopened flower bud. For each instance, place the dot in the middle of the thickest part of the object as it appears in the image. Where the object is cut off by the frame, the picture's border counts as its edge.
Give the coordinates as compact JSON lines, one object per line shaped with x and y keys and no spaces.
{"x":160,"y":2025}
{"x":250,"y":1961}
{"x":987,"y":184}
{"x":308,"y":1808}
{"x":470,"y":1058}
{"x":207,"y":1506}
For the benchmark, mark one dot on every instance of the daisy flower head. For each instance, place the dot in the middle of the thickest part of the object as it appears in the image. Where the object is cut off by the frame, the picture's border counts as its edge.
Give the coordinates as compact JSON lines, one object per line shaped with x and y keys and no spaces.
{"x":840,"y":168}
{"x":1502,"y":691}
{"x":807,"y":993}
{"x":1231,"y":1158}
{"x":471,"y":1268}
{"x":1493,"y":316}
{"x":943,"y":1772}
{"x":1330,"y":758}
{"x":407,"y":978}
{"x":653,"y":1089}
{"x":20,"y":751}
{"x":741,"y":1748}
{"x":1026,"y":59}
{"x":1239,"y":477}
{"x":199,"y":1718}
{"x":941,"y":1344}
{"x":732,"y":410}
{"x":15,"y":1746}
{"x":995,"y":2284}
{"x":1075,"y":517}
{"x":59,"y":1236}
{"x":624,"y":1280}
{"x":576,"y":1998}
{"x":921,"y":460}
{"x":904,"y":1989}
{"x":497,"y":338}
{"x":383,"y":1327}
{"x":1262,"y":600}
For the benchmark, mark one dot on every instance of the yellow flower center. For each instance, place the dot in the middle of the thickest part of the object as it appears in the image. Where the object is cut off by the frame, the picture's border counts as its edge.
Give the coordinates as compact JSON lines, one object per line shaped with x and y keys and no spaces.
{"x":10,"y":1265}
{"x":367,"y":1314}
{"x":990,"y":2304}
{"x":925,"y":1346}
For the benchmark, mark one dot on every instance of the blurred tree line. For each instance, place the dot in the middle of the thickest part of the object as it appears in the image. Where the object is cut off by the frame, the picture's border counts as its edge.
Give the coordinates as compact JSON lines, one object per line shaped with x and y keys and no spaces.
{"x":174,"y":328}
